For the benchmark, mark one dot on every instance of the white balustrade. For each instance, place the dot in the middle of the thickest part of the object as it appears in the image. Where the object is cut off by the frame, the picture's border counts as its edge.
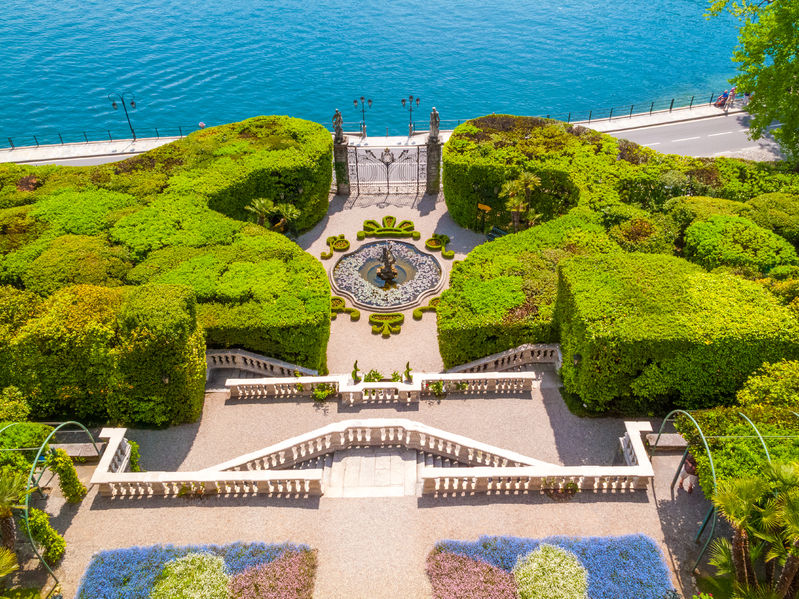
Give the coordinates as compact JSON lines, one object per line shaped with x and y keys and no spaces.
{"x":243,"y":360}
{"x":517,"y":357}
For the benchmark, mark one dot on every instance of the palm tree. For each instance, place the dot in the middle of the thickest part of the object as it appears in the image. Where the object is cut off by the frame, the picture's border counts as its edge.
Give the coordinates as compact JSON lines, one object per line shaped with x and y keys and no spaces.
{"x":788,"y":514}
{"x":289,"y":214}
{"x":262,"y":208}
{"x":13,"y":490}
{"x":517,"y":195}
{"x":737,"y":500}
{"x":8,"y":563}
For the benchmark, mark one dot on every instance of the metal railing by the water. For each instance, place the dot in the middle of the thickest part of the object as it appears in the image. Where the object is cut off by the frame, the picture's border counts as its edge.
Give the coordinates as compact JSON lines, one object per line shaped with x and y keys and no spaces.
{"x":47,"y":138}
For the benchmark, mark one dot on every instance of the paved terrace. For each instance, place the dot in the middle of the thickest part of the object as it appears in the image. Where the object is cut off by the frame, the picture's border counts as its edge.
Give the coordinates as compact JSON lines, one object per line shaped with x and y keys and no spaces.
{"x":375,"y":548}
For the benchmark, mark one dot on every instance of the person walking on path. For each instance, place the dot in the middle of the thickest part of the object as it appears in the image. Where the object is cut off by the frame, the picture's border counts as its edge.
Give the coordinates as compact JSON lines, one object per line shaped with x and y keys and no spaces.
{"x":688,"y":474}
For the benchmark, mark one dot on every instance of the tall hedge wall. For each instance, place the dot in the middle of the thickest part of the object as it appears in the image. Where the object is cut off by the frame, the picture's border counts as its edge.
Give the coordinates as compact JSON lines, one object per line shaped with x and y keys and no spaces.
{"x":171,"y":216}
{"x":579,"y":166}
{"x":503,"y":294}
{"x":642,"y":332}
{"x":133,"y":355}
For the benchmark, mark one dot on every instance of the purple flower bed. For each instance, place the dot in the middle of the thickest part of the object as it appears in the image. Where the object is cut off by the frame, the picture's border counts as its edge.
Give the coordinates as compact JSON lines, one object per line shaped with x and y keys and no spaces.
{"x":458,"y":577}
{"x":130,"y":573}
{"x":290,"y":576}
{"x":627,"y":566}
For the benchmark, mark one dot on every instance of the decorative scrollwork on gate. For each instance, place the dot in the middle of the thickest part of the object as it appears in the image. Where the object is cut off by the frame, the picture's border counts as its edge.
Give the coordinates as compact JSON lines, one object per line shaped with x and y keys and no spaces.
{"x":392,"y":170}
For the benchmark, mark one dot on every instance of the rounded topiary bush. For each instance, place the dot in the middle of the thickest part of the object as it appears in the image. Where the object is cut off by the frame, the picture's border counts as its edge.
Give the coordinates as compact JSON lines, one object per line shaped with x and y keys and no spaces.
{"x":687,"y":209}
{"x":774,"y":384}
{"x":77,"y":259}
{"x":193,"y":576}
{"x":736,"y":241}
{"x":550,"y":572}
{"x":778,"y":212}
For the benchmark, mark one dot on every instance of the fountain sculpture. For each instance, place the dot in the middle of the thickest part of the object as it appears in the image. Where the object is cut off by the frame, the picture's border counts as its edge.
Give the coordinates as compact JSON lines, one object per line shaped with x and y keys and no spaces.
{"x":388,"y":271}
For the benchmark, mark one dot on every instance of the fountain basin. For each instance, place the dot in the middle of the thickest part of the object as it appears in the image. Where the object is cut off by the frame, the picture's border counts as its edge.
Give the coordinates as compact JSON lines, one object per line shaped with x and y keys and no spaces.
{"x":355,"y":276}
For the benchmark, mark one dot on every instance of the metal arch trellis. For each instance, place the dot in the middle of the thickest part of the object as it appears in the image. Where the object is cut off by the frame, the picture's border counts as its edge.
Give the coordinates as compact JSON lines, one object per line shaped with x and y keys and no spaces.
{"x":33,"y":482}
{"x":712,"y":512}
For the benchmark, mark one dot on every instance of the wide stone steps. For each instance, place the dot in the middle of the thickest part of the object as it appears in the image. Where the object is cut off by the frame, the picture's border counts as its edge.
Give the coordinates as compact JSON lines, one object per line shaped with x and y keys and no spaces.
{"x":375,"y":471}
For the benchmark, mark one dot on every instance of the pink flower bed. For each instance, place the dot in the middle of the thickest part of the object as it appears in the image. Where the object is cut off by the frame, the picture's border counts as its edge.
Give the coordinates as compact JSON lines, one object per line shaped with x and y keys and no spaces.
{"x":290,"y":576}
{"x":458,"y":577}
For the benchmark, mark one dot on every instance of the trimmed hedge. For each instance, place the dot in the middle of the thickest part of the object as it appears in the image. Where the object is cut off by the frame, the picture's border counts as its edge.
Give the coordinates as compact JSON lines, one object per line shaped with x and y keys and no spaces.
{"x":579,"y":166}
{"x":643,"y":332}
{"x":503,"y":294}
{"x":778,"y":212}
{"x":736,"y":241}
{"x":134,"y":355}
{"x":687,"y":209}
{"x":774,"y":384}
{"x":155,"y":218}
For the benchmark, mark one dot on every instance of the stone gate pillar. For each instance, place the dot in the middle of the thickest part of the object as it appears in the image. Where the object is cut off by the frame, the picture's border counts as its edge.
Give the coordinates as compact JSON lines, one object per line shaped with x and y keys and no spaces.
{"x":433,"y":167}
{"x":342,"y":167}
{"x":433,"y":155}
{"x":340,"y":156}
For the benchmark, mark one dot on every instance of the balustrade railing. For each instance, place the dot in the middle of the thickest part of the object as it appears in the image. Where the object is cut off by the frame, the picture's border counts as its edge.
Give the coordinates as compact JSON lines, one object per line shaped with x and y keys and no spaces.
{"x":487,"y":469}
{"x":350,"y":393}
{"x":517,"y":357}
{"x":251,"y":362}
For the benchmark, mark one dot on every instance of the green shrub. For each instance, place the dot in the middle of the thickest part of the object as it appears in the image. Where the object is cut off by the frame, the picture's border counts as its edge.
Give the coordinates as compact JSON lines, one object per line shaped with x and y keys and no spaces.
{"x":161,"y":358}
{"x":778,"y":212}
{"x":193,"y":576}
{"x":172,"y":221}
{"x":656,"y":234}
{"x":135,"y":457}
{"x":72,"y":259}
{"x":687,"y":209}
{"x":13,"y":407}
{"x":18,"y":228}
{"x":86,"y":212}
{"x":26,"y":436}
{"x":71,"y":488}
{"x":736,"y":241}
{"x":773,"y":385}
{"x":643,"y":332}
{"x":550,"y":572}
{"x":737,"y":452}
{"x":503,"y":294}
{"x":45,"y":536}
{"x":66,"y":363}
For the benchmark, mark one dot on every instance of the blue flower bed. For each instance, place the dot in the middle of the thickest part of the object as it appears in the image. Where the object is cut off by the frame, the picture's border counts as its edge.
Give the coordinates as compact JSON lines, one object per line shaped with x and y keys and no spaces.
{"x":130,"y":573}
{"x":626,"y":566}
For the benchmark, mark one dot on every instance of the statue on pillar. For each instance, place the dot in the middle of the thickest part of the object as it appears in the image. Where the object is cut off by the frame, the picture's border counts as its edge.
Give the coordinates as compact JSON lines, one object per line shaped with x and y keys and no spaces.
{"x":435,"y":121}
{"x":338,"y":123}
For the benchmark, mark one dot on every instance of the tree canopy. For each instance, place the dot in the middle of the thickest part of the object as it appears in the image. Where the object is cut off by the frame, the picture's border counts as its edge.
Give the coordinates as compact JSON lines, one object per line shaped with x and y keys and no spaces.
{"x":767,"y":56}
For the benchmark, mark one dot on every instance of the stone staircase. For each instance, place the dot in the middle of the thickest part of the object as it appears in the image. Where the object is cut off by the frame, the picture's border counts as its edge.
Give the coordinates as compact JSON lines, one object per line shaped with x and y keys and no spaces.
{"x":375,"y":471}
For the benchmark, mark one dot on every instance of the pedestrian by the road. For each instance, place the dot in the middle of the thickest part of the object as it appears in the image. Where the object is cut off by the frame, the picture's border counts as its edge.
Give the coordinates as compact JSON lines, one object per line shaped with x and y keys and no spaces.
{"x":688,"y":474}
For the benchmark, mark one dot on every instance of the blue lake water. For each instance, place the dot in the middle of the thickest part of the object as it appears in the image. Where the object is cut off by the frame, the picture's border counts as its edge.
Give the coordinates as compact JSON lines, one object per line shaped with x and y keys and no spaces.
{"x":220,"y":61}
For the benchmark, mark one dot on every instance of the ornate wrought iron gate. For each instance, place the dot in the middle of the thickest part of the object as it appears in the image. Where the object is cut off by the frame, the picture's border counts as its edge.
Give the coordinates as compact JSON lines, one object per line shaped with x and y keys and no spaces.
{"x":390,"y":170}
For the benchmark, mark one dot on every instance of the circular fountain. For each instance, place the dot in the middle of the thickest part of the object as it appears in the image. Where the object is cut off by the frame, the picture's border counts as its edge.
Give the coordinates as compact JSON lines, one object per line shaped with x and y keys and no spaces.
{"x":386,"y":276}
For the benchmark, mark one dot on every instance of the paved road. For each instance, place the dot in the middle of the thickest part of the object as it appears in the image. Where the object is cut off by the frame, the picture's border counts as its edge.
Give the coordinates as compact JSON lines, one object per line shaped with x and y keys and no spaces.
{"x":704,"y":137}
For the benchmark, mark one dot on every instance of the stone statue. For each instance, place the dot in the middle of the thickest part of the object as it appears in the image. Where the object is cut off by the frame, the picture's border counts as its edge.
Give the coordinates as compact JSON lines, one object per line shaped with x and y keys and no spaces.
{"x":338,"y":123}
{"x":387,"y":272}
{"x":435,"y":121}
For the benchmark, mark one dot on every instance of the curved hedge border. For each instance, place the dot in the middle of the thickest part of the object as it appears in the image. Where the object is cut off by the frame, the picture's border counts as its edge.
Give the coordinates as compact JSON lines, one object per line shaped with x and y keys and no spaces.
{"x":338,"y":243}
{"x":161,"y":217}
{"x":338,"y":305}
{"x":579,"y":166}
{"x":438,"y":242}
{"x":431,"y":306}
{"x":387,"y":324}
{"x":389,"y":227}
